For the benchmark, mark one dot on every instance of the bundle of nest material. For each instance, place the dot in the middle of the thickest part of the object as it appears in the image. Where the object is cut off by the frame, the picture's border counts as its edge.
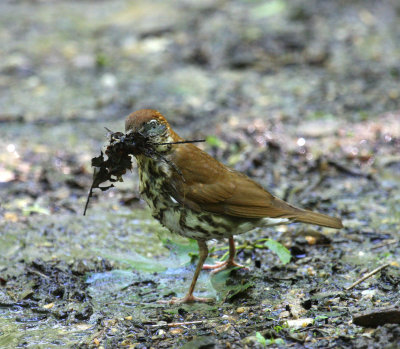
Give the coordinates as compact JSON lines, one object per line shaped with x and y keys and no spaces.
{"x":119,"y":149}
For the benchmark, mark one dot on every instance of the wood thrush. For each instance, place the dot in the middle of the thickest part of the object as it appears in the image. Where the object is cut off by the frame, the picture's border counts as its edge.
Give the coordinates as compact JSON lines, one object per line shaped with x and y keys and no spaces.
{"x":195,"y":196}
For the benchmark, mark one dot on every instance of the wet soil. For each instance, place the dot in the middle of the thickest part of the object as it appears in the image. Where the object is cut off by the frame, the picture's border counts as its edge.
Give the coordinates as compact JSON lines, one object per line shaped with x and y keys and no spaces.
{"x":302,"y":96}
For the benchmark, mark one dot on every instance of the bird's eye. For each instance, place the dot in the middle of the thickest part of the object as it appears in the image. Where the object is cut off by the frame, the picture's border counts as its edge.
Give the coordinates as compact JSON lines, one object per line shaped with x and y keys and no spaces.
{"x":153,"y":128}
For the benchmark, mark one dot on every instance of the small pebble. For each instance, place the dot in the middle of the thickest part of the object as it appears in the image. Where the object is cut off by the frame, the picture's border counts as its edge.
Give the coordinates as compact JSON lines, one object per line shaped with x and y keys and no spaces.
{"x":284,"y":314}
{"x":311,"y":271}
{"x":311,"y":240}
{"x":48,"y":306}
{"x":176,"y":331}
{"x":240,"y":310}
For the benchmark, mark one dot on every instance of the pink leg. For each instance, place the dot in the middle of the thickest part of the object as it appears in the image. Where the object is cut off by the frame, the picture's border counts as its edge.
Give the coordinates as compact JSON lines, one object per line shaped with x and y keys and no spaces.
{"x":229,"y":263}
{"x":190,"y":298}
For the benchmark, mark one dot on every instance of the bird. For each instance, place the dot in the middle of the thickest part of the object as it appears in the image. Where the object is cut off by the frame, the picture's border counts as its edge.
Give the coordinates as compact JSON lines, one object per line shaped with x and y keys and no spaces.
{"x":196,"y":196}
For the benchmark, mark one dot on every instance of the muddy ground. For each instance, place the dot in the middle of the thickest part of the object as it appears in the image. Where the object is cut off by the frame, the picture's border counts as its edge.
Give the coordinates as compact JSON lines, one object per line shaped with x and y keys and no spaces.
{"x":303,"y":96}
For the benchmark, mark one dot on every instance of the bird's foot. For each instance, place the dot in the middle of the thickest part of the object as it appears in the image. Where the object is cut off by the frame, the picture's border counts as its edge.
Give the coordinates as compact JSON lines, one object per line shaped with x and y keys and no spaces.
{"x":189,"y":298}
{"x":219,"y":266}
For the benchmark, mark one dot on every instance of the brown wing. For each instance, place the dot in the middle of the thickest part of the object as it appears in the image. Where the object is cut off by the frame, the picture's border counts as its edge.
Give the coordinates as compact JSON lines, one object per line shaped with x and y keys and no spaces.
{"x":213,"y":187}
{"x":206,"y":184}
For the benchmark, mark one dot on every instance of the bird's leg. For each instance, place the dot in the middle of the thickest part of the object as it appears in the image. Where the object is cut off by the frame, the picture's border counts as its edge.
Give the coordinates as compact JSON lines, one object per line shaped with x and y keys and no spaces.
{"x":229,"y":263}
{"x":189,"y":298}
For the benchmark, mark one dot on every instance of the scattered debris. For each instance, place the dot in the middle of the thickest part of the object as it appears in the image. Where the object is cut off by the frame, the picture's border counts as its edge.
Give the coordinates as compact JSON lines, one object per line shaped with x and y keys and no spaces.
{"x":276,"y":111}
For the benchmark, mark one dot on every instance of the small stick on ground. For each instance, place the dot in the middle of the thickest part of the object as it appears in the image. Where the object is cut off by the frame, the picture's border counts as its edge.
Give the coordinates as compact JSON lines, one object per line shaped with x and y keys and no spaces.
{"x":176,"y":324}
{"x":383,"y":244}
{"x":38,"y":273}
{"x":350,"y":172}
{"x":367,"y":276}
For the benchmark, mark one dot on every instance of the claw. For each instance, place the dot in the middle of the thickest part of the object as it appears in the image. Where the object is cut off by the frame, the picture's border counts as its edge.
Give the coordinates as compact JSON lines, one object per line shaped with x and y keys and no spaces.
{"x":219,"y":266}
{"x":229,"y":263}
{"x":189,"y":298}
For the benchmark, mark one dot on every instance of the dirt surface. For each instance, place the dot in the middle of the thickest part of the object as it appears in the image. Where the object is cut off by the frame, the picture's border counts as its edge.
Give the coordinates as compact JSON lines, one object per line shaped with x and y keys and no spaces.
{"x":303,"y":96}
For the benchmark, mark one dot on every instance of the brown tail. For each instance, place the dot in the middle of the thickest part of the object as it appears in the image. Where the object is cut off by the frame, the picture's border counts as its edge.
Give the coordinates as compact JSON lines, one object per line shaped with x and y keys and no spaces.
{"x":318,"y":219}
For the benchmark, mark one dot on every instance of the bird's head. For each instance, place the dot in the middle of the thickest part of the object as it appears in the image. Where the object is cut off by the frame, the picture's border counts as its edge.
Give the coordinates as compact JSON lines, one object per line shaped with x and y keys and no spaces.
{"x":152,"y":126}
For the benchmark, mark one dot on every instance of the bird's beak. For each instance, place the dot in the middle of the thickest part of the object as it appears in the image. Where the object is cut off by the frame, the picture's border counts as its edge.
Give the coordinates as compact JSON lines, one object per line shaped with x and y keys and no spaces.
{"x":132,"y":148}
{"x":134,"y":143}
